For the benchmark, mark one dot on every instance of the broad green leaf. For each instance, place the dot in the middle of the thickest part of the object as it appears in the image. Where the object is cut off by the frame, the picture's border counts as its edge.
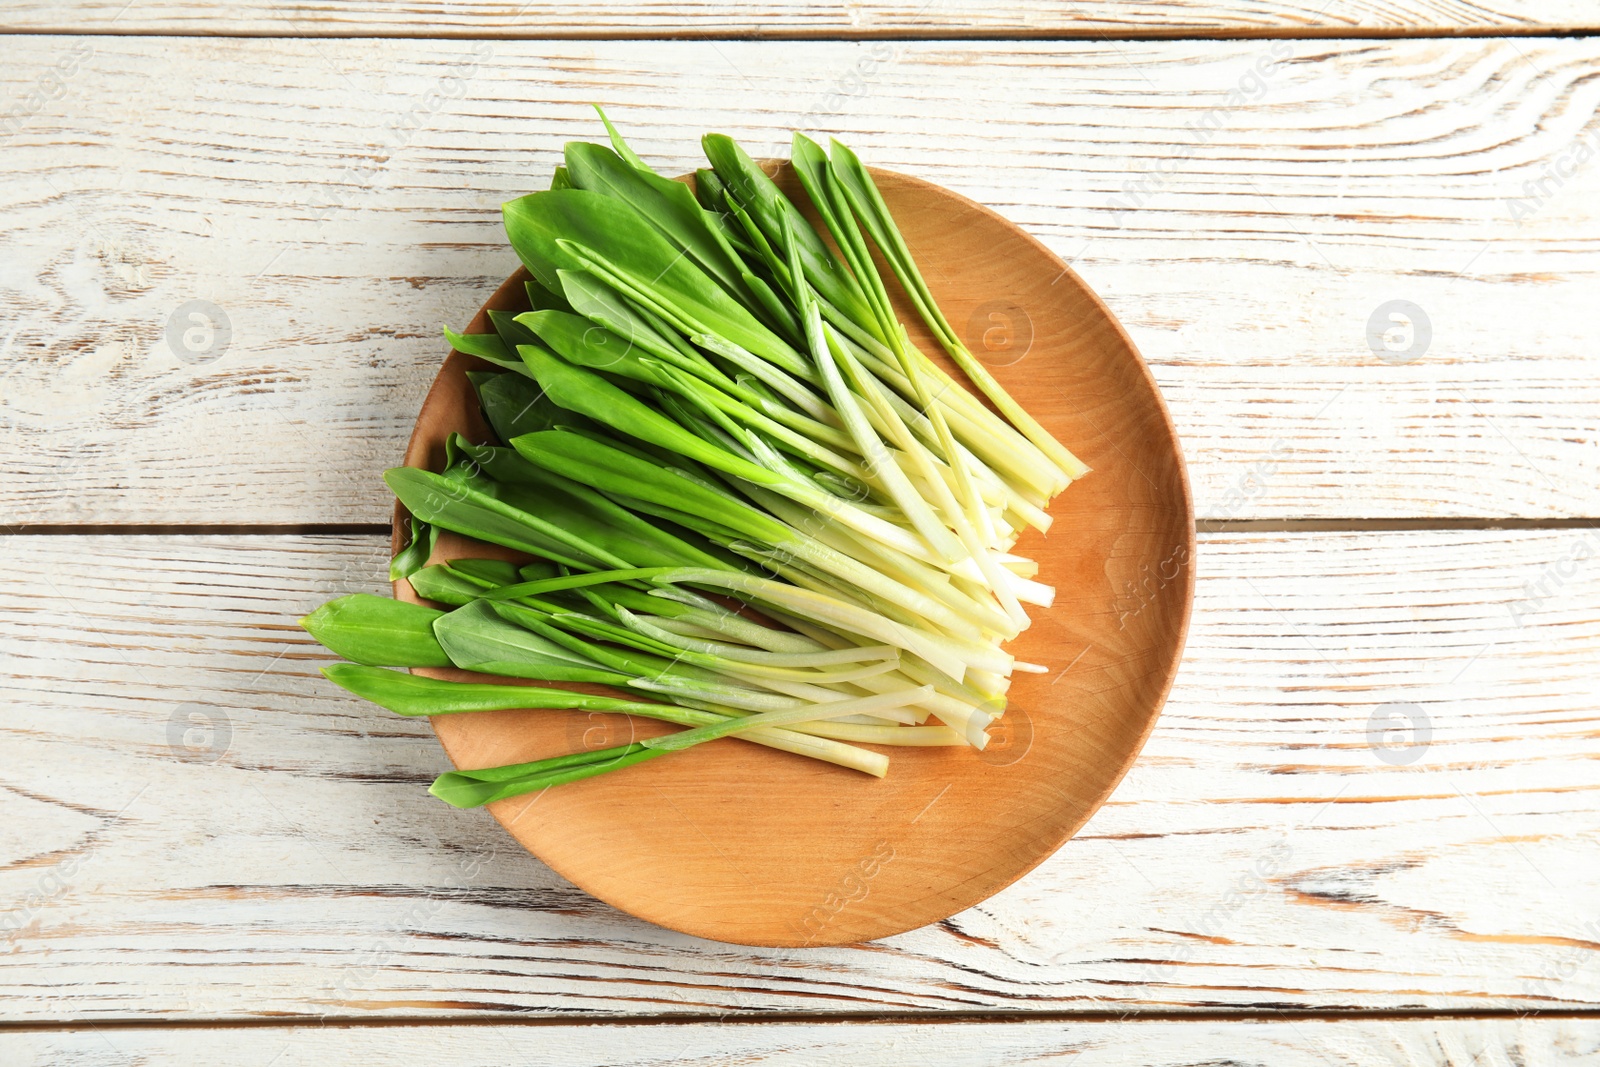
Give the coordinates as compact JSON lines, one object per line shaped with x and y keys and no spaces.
{"x":538,"y":224}
{"x":536,"y":571}
{"x":610,"y":529}
{"x":715,"y":533}
{"x":667,"y":205}
{"x":505,"y":324}
{"x":445,"y":585}
{"x":589,"y":394}
{"x":492,"y":572}
{"x":486,"y":346}
{"x":613,"y":471}
{"x":599,"y":303}
{"x":590,"y":342}
{"x":514,"y":405}
{"x":542,"y":299}
{"x":476,"y":637}
{"x":629,"y":662}
{"x":578,"y":340}
{"x":377,"y":631}
{"x":448,"y":503}
{"x":709,"y":190}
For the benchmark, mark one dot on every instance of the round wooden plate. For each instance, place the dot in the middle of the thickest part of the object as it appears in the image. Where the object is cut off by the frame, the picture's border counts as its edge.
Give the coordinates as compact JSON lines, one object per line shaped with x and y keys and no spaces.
{"x":739,"y":843}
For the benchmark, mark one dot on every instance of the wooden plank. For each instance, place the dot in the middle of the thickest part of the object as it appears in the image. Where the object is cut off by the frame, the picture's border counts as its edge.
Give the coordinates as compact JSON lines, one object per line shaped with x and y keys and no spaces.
{"x":337,"y":200}
{"x":635,"y":18}
{"x":1303,"y":1043}
{"x":1373,"y":788}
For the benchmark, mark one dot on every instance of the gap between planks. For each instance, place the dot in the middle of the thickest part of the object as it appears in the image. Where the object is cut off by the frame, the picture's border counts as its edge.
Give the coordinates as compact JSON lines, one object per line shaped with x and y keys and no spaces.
{"x":931,"y":35}
{"x":772,"y":1018}
{"x":1204,"y":526}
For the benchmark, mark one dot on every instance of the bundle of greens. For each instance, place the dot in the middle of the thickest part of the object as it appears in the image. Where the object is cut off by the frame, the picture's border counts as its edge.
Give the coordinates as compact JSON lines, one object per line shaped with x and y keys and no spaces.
{"x":752,"y":503}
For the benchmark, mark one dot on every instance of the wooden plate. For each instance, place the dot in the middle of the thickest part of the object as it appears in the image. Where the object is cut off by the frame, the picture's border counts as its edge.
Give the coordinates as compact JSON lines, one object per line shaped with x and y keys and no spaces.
{"x":743,"y":844}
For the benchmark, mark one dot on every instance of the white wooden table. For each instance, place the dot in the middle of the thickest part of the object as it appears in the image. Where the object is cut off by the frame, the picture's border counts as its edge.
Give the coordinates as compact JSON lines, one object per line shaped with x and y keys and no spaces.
{"x":1367,"y":828}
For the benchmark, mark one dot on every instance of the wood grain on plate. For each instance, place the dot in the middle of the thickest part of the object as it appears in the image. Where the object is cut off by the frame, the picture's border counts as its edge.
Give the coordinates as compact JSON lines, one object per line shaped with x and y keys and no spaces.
{"x":758,"y":847}
{"x":338,"y":200}
{"x":1303,"y":1043}
{"x":777,"y":18}
{"x":196,"y":825}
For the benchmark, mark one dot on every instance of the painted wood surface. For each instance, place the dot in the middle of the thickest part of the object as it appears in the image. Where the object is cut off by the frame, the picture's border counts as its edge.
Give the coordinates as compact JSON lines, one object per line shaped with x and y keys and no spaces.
{"x":1301,"y":1043}
{"x":223,"y":263}
{"x":1373,"y":788}
{"x":800,"y":18}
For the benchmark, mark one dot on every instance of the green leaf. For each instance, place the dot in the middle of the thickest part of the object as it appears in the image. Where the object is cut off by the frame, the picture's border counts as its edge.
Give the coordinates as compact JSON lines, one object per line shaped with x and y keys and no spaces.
{"x":514,"y":405}
{"x":492,"y":572}
{"x":632,"y":660}
{"x":413,"y":695}
{"x":445,"y":585}
{"x":599,"y":303}
{"x":613,"y":532}
{"x":748,"y":184}
{"x":613,"y":471}
{"x":465,"y":509}
{"x":542,"y":299}
{"x":709,"y":190}
{"x":538,"y":225}
{"x":620,"y":145}
{"x":668,"y":206}
{"x":574,"y":581}
{"x":817,"y":177}
{"x":578,"y":340}
{"x":461,"y":790}
{"x":506,"y":325}
{"x":378,"y":631}
{"x":415,"y":555}
{"x":869,"y":206}
{"x":588,"y":393}
{"x":477,"y":637}
{"x":486,"y":346}
{"x":518,"y":771}
{"x":584,"y":344}
{"x":536,"y":571}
